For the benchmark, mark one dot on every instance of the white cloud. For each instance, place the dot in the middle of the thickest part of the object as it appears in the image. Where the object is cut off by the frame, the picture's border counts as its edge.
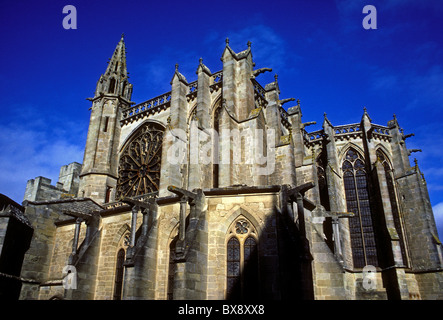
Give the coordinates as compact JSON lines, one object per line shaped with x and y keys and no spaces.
{"x":34,"y":148}
{"x":438,"y":215}
{"x":268,"y":47}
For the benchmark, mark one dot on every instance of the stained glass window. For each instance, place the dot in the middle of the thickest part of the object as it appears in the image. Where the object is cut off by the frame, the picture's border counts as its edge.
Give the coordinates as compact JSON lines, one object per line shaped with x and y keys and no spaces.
{"x":140,"y":162}
{"x":242,"y":262}
{"x":233,"y":264}
{"x":364,"y":250}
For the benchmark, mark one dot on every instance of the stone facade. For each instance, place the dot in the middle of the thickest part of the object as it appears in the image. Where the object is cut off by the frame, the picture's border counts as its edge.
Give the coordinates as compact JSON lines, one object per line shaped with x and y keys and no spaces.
{"x":215,"y":191}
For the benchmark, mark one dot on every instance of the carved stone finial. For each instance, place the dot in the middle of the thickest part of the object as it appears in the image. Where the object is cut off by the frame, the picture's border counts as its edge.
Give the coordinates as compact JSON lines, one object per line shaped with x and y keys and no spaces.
{"x":200,"y":60}
{"x":249,"y":44}
{"x":176,"y":67}
{"x":276,"y":77}
{"x":298,"y":102}
{"x":227,"y":41}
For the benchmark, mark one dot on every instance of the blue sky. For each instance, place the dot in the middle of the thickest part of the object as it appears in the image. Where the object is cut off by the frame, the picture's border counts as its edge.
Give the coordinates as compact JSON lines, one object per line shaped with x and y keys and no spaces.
{"x":319,"y":49}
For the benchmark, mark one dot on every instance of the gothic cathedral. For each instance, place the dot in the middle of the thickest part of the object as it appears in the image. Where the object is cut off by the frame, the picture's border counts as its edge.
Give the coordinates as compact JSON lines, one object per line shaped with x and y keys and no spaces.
{"x":213,"y":190}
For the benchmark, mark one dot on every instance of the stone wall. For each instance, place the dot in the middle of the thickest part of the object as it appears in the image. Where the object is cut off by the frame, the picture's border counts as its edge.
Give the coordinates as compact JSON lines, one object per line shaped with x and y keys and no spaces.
{"x":40,"y":188}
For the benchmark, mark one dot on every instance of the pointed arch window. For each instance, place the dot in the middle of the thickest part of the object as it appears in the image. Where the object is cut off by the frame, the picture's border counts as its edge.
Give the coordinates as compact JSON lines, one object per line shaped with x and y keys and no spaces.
{"x":171,"y":269}
{"x":242,"y":261}
{"x":119,"y":270}
{"x":364,"y":251}
{"x":393,"y":200}
{"x":124,"y":88}
{"x":111,"y":86}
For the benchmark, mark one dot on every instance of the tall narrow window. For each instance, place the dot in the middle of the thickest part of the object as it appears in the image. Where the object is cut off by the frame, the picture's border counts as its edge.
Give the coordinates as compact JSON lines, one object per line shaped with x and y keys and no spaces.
{"x":108,"y":194}
{"x":250,"y":270}
{"x":233,"y":266}
{"x":105,"y":127}
{"x":124,"y":88}
{"x":118,"y":284}
{"x":215,"y":148}
{"x":393,"y":199}
{"x":242,"y":262}
{"x":171,"y":269}
{"x":361,"y":226}
{"x":111,"y":86}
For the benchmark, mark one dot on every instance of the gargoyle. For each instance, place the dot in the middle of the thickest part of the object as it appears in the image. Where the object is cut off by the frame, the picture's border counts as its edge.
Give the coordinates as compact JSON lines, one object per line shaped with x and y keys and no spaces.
{"x":255,"y":73}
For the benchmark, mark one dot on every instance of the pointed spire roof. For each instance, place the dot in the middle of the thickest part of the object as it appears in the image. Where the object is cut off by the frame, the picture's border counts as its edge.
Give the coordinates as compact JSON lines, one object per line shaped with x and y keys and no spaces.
{"x":202,"y":67}
{"x":117,"y":63}
{"x":178,"y":75}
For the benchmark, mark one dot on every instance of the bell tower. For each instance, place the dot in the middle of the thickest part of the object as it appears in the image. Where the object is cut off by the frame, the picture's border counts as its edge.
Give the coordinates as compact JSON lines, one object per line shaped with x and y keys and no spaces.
{"x":99,"y":173}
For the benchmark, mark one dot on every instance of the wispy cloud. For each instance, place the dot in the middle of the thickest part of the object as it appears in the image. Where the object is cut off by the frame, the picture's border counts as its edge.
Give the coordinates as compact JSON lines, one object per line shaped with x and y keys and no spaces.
{"x":269,"y":49}
{"x":438,"y":216}
{"x":34,"y":147}
{"x":422,"y":88}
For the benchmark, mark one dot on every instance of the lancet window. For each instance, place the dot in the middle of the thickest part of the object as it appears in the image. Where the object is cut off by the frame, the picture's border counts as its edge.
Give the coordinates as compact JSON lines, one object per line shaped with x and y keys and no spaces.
{"x":119,"y":269}
{"x":242,"y":261}
{"x":361,"y":226}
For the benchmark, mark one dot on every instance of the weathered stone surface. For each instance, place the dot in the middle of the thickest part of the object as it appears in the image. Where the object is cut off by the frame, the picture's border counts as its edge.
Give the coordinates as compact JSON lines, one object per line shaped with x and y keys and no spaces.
{"x":227,"y":226}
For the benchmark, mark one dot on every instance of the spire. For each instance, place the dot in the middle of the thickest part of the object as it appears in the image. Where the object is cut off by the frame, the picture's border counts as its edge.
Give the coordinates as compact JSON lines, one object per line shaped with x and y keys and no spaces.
{"x":117,"y":63}
{"x":115,"y":80}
